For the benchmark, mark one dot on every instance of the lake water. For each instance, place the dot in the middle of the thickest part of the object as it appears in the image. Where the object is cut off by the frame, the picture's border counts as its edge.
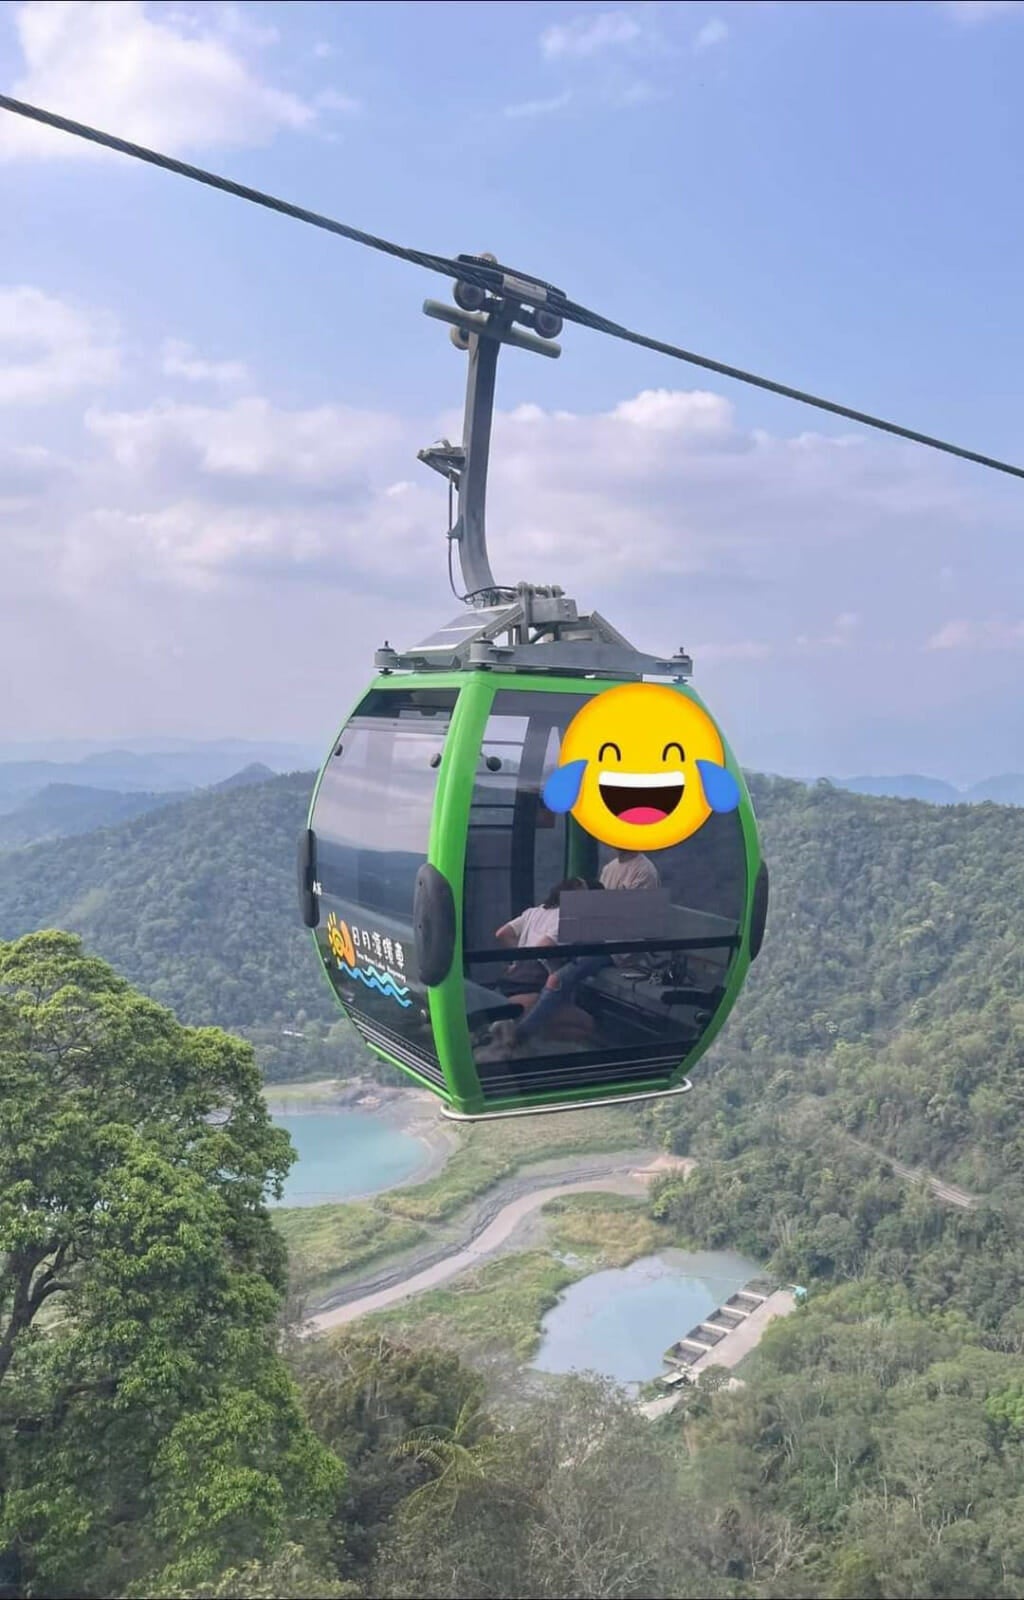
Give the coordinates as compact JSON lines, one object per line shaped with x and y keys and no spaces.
{"x":344,"y":1153}
{"x":621,"y":1321}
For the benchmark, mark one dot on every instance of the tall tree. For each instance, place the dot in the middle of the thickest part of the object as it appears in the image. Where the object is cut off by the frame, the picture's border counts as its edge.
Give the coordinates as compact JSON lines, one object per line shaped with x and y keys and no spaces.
{"x":149,"y":1433}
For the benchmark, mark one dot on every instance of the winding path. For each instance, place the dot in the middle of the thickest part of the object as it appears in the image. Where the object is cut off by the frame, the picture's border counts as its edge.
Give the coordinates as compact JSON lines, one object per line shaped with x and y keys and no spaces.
{"x":951,"y":1193}
{"x":489,"y":1224}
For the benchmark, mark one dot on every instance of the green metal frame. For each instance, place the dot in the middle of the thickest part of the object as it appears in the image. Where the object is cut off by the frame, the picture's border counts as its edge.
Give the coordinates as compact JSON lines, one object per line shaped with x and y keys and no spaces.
{"x":449,"y":827}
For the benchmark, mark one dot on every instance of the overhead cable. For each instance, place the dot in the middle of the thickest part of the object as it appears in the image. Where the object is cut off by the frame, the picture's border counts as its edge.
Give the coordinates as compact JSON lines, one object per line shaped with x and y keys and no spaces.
{"x":495,"y":280}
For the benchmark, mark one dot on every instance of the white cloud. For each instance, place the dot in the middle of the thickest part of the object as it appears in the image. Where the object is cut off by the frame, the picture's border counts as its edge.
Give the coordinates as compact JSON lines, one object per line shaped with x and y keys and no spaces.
{"x":190,"y":543}
{"x":588,"y":34}
{"x":952,"y":636}
{"x":664,"y":484}
{"x":248,"y":440}
{"x":322,"y":50}
{"x":539,"y":108}
{"x":991,"y":634}
{"x":50,"y":348}
{"x":975,"y":11}
{"x":114,"y":66}
{"x":179,"y":360}
{"x":695,"y":412}
{"x":237,"y":529}
{"x":713,"y":32}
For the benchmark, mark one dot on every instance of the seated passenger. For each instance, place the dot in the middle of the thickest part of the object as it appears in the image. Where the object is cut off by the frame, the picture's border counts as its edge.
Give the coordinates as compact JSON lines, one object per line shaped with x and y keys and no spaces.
{"x":629,"y":870}
{"x":537,"y":925}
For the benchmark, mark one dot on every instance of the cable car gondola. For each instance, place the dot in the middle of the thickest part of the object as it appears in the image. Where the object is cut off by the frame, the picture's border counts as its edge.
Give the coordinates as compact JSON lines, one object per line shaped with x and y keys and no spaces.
{"x":446,"y":809}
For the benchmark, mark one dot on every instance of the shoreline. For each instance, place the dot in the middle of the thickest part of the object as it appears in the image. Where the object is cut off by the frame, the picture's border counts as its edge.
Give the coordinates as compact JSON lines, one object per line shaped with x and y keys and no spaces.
{"x":410,"y":1111}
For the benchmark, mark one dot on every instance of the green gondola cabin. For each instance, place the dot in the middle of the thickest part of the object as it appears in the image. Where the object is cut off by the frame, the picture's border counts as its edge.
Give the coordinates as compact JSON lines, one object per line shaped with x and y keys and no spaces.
{"x":446,"y":773}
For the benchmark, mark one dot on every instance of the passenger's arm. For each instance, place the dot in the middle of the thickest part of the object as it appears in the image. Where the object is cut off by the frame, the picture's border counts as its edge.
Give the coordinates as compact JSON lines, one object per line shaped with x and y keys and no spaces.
{"x":552,"y":966}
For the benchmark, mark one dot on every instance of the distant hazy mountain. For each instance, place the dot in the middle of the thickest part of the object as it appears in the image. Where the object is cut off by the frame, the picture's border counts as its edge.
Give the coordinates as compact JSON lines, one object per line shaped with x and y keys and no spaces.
{"x":62,"y":809}
{"x":147,"y":771}
{"x":909,"y":786}
{"x":1007,"y":790}
{"x":255,"y":772}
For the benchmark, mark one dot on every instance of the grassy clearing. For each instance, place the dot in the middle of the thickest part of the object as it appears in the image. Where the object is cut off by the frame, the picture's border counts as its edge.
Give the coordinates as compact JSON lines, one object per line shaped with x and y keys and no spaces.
{"x":497,"y":1308}
{"x":605,"y":1230}
{"x":324,"y":1241}
{"x":308,"y":1091}
{"x":490,"y":1151}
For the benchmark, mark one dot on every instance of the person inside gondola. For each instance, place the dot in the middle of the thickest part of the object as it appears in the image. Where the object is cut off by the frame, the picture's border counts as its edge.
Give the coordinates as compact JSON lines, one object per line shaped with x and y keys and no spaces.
{"x":525,"y":980}
{"x":627,"y":870}
{"x":537,"y":925}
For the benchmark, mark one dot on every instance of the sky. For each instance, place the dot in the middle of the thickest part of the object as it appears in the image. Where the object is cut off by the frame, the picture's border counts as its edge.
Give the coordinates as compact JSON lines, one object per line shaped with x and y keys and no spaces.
{"x":211,"y":511}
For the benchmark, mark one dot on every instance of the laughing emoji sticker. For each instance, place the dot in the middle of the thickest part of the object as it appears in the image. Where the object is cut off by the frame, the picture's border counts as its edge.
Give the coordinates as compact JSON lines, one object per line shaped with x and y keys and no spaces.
{"x":642,"y":768}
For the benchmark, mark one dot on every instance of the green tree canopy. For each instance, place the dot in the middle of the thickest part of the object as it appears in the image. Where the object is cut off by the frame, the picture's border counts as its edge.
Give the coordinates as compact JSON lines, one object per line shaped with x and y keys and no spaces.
{"x":149,"y":1431}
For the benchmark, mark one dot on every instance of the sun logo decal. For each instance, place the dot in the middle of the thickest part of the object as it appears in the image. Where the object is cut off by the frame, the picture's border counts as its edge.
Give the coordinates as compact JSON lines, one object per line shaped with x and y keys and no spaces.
{"x":340,"y":940}
{"x":642,"y":768}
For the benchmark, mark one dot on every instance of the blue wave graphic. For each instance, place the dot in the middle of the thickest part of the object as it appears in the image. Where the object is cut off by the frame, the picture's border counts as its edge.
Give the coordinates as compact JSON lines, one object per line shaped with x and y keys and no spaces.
{"x":383,"y":982}
{"x":387,"y":977}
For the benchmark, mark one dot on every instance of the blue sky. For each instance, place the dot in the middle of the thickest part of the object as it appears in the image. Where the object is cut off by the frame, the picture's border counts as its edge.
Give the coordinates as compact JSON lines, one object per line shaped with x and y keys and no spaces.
{"x":210,"y":505}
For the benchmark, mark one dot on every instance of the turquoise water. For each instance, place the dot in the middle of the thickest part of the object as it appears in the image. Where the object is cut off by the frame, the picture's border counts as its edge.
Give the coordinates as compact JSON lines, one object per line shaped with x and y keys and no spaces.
{"x":620,"y":1322}
{"x":345,"y":1153}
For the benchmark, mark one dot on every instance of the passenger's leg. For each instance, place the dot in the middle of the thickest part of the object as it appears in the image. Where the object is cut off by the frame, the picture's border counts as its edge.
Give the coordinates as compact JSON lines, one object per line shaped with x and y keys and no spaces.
{"x":558,"y":991}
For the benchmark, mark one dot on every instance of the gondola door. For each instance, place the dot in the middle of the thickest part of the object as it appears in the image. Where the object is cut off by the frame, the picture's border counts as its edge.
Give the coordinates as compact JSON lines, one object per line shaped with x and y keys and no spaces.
{"x":371,"y":820}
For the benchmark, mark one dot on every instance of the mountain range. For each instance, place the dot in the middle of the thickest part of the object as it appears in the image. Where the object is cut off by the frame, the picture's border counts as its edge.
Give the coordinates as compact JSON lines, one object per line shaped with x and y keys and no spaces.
{"x":1007,"y":789}
{"x":62,"y":810}
{"x":154,"y":770}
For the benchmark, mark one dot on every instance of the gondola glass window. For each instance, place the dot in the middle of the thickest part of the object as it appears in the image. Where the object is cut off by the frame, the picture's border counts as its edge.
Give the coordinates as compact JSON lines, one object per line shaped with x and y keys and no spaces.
{"x":373,"y":817}
{"x":657,"y":955}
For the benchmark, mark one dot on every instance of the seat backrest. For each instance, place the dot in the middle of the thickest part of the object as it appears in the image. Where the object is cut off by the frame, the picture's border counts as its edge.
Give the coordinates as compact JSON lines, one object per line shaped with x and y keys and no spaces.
{"x":589,"y":917}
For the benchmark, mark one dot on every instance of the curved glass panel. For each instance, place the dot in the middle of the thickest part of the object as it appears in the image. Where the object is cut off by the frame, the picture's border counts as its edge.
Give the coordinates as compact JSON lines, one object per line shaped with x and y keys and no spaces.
{"x":372,"y":819}
{"x":585,"y":967}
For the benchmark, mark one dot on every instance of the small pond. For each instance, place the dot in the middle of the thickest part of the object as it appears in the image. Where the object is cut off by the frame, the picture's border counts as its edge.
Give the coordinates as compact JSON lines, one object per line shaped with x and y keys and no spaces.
{"x":342,"y":1153}
{"x":620,"y":1322}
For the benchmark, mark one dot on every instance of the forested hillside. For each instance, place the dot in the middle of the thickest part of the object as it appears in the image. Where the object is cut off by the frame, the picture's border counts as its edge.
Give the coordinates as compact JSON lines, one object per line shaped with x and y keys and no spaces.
{"x":895,"y":946}
{"x":893,"y":973}
{"x":62,"y":809}
{"x":195,"y":903}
